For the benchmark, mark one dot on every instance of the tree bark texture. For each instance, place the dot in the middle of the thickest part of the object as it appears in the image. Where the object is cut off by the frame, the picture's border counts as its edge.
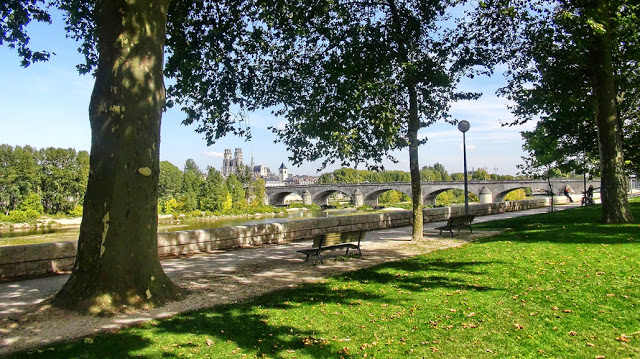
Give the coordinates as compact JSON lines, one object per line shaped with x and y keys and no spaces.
{"x":615,"y":207}
{"x":117,"y":265}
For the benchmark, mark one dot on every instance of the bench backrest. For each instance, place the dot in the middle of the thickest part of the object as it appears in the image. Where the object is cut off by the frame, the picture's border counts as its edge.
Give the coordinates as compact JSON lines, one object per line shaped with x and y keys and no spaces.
{"x":330,"y":239}
{"x":461,"y":219}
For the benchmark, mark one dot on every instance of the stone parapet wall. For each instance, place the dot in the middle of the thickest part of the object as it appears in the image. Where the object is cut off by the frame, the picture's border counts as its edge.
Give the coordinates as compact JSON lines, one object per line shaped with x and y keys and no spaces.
{"x":39,"y":259}
{"x":202,"y":240}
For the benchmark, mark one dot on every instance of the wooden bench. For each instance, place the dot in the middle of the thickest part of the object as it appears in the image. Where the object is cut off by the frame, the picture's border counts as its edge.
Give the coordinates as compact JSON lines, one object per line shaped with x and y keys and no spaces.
{"x":457,"y":222}
{"x":325,"y":242}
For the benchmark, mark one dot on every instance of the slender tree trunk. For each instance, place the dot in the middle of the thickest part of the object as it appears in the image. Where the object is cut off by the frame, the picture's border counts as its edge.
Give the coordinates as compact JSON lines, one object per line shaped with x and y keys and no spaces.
{"x":117,"y":264}
{"x":413,"y":127}
{"x":414,"y":167}
{"x":615,"y":207}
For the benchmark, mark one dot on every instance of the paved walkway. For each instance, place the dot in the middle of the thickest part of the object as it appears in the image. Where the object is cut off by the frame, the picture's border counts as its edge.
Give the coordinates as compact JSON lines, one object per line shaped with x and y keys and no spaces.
{"x":223,"y":276}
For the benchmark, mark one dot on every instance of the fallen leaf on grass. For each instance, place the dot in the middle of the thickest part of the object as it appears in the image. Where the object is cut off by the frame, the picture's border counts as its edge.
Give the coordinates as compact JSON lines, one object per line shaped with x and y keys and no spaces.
{"x":209,"y":342}
{"x":518,"y":326}
{"x":623,"y":338}
{"x":311,"y":341}
{"x":591,"y":345}
{"x":572,"y":333}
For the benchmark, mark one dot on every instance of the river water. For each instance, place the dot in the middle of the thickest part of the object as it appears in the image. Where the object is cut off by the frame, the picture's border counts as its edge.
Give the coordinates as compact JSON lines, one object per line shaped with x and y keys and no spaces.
{"x":11,"y":237}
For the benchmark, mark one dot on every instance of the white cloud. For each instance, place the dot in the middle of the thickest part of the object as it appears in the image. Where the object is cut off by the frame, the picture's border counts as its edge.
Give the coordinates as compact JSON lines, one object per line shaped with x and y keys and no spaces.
{"x":212,"y":154}
{"x":469,"y":147}
{"x":280,"y":125}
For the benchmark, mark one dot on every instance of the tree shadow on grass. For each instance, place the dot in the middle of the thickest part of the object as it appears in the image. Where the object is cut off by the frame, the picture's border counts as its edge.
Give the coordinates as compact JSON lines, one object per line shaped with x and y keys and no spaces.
{"x":252,"y":332}
{"x":256,"y":327}
{"x":102,"y":346}
{"x":420,"y":273}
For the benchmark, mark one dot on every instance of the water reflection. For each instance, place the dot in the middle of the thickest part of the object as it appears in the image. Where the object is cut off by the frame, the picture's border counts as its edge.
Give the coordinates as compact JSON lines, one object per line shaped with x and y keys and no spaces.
{"x":186,"y":225}
{"x":12,"y":237}
{"x":19,"y":232}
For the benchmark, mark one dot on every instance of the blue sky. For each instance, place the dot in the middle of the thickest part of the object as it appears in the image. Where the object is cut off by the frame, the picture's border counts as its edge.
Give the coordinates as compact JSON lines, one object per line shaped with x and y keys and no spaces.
{"x":46,"y":105}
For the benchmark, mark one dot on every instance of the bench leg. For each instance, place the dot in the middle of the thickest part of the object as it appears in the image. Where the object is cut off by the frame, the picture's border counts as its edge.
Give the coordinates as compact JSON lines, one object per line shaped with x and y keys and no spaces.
{"x":306,"y":260}
{"x":451,"y":231}
{"x":320,"y":257}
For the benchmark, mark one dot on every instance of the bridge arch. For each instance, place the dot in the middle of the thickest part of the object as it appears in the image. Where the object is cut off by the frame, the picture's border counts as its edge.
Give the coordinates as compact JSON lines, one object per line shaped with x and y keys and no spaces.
{"x":499,"y":197}
{"x":277,"y":199}
{"x":372,"y":197}
{"x":430,"y":197}
{"x":322,"y":198}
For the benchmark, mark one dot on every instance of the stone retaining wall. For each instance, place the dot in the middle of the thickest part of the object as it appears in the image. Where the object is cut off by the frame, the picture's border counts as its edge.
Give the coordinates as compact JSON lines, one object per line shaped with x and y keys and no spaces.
{"x":39,"y":259}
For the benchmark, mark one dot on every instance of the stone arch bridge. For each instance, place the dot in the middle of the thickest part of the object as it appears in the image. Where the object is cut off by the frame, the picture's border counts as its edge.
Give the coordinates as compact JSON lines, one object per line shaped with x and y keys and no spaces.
{"x":368,"y":193}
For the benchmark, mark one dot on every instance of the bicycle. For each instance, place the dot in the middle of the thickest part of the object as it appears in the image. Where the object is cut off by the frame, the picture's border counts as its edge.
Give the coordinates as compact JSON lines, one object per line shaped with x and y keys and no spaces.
{"x":587,"y":200}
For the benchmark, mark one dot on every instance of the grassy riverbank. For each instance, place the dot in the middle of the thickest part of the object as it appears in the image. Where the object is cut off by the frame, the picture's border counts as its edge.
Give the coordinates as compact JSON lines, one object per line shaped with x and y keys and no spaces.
{"x":551,"y":285}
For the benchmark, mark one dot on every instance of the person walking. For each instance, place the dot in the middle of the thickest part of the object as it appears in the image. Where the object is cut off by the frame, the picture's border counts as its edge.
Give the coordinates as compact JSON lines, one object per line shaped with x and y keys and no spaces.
{"x":567,"y":189}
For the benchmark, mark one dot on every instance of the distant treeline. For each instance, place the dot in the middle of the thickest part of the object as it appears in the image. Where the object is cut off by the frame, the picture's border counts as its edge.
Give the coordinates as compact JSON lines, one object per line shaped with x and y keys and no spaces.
{"x":50,"y":180}
{"x":54,"y":180}
{"x":192,"y":191}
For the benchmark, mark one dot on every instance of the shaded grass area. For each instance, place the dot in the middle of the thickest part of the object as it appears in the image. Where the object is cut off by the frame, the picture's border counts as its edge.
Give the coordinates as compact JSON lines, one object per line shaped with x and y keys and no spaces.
{"x":551,"y":285}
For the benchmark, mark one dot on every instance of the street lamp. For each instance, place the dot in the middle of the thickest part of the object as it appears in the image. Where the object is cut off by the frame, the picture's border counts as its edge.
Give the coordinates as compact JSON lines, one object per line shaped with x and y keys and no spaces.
{"x":464,"y":126}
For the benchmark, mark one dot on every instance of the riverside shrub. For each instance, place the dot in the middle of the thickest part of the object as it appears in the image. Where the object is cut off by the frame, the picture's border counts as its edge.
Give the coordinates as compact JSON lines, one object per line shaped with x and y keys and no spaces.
{"x":17,"y":216}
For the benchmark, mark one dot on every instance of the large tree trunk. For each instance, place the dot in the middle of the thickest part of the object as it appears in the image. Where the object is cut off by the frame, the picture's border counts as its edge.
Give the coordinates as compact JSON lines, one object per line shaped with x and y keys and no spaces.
{"x":414,"y":166}
{"x":615,"y":207}
{"x":117,"y":264}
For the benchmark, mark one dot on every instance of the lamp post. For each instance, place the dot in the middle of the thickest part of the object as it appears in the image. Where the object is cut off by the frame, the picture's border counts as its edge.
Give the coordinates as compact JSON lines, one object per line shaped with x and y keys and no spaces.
{"x":464,"y":126}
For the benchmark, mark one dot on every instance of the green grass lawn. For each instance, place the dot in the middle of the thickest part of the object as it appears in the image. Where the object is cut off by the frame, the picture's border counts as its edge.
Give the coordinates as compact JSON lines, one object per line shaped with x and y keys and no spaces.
{"x":556,"y":285}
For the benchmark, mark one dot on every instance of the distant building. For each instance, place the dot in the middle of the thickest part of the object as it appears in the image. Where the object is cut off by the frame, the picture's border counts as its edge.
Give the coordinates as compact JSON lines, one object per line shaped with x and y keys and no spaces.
{"x":234,"y":163}
{"x":302,"y":180}
{"x":284,"y":172}
{"x":231,"y":164}
{"x":261,"y":171}
{"x":273,"y":182}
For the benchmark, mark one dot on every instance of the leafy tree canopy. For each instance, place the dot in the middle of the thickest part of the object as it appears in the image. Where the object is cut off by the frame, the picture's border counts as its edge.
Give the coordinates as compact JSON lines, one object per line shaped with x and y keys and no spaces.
{"x":551,"y":81}
{"x":575,"y":65}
